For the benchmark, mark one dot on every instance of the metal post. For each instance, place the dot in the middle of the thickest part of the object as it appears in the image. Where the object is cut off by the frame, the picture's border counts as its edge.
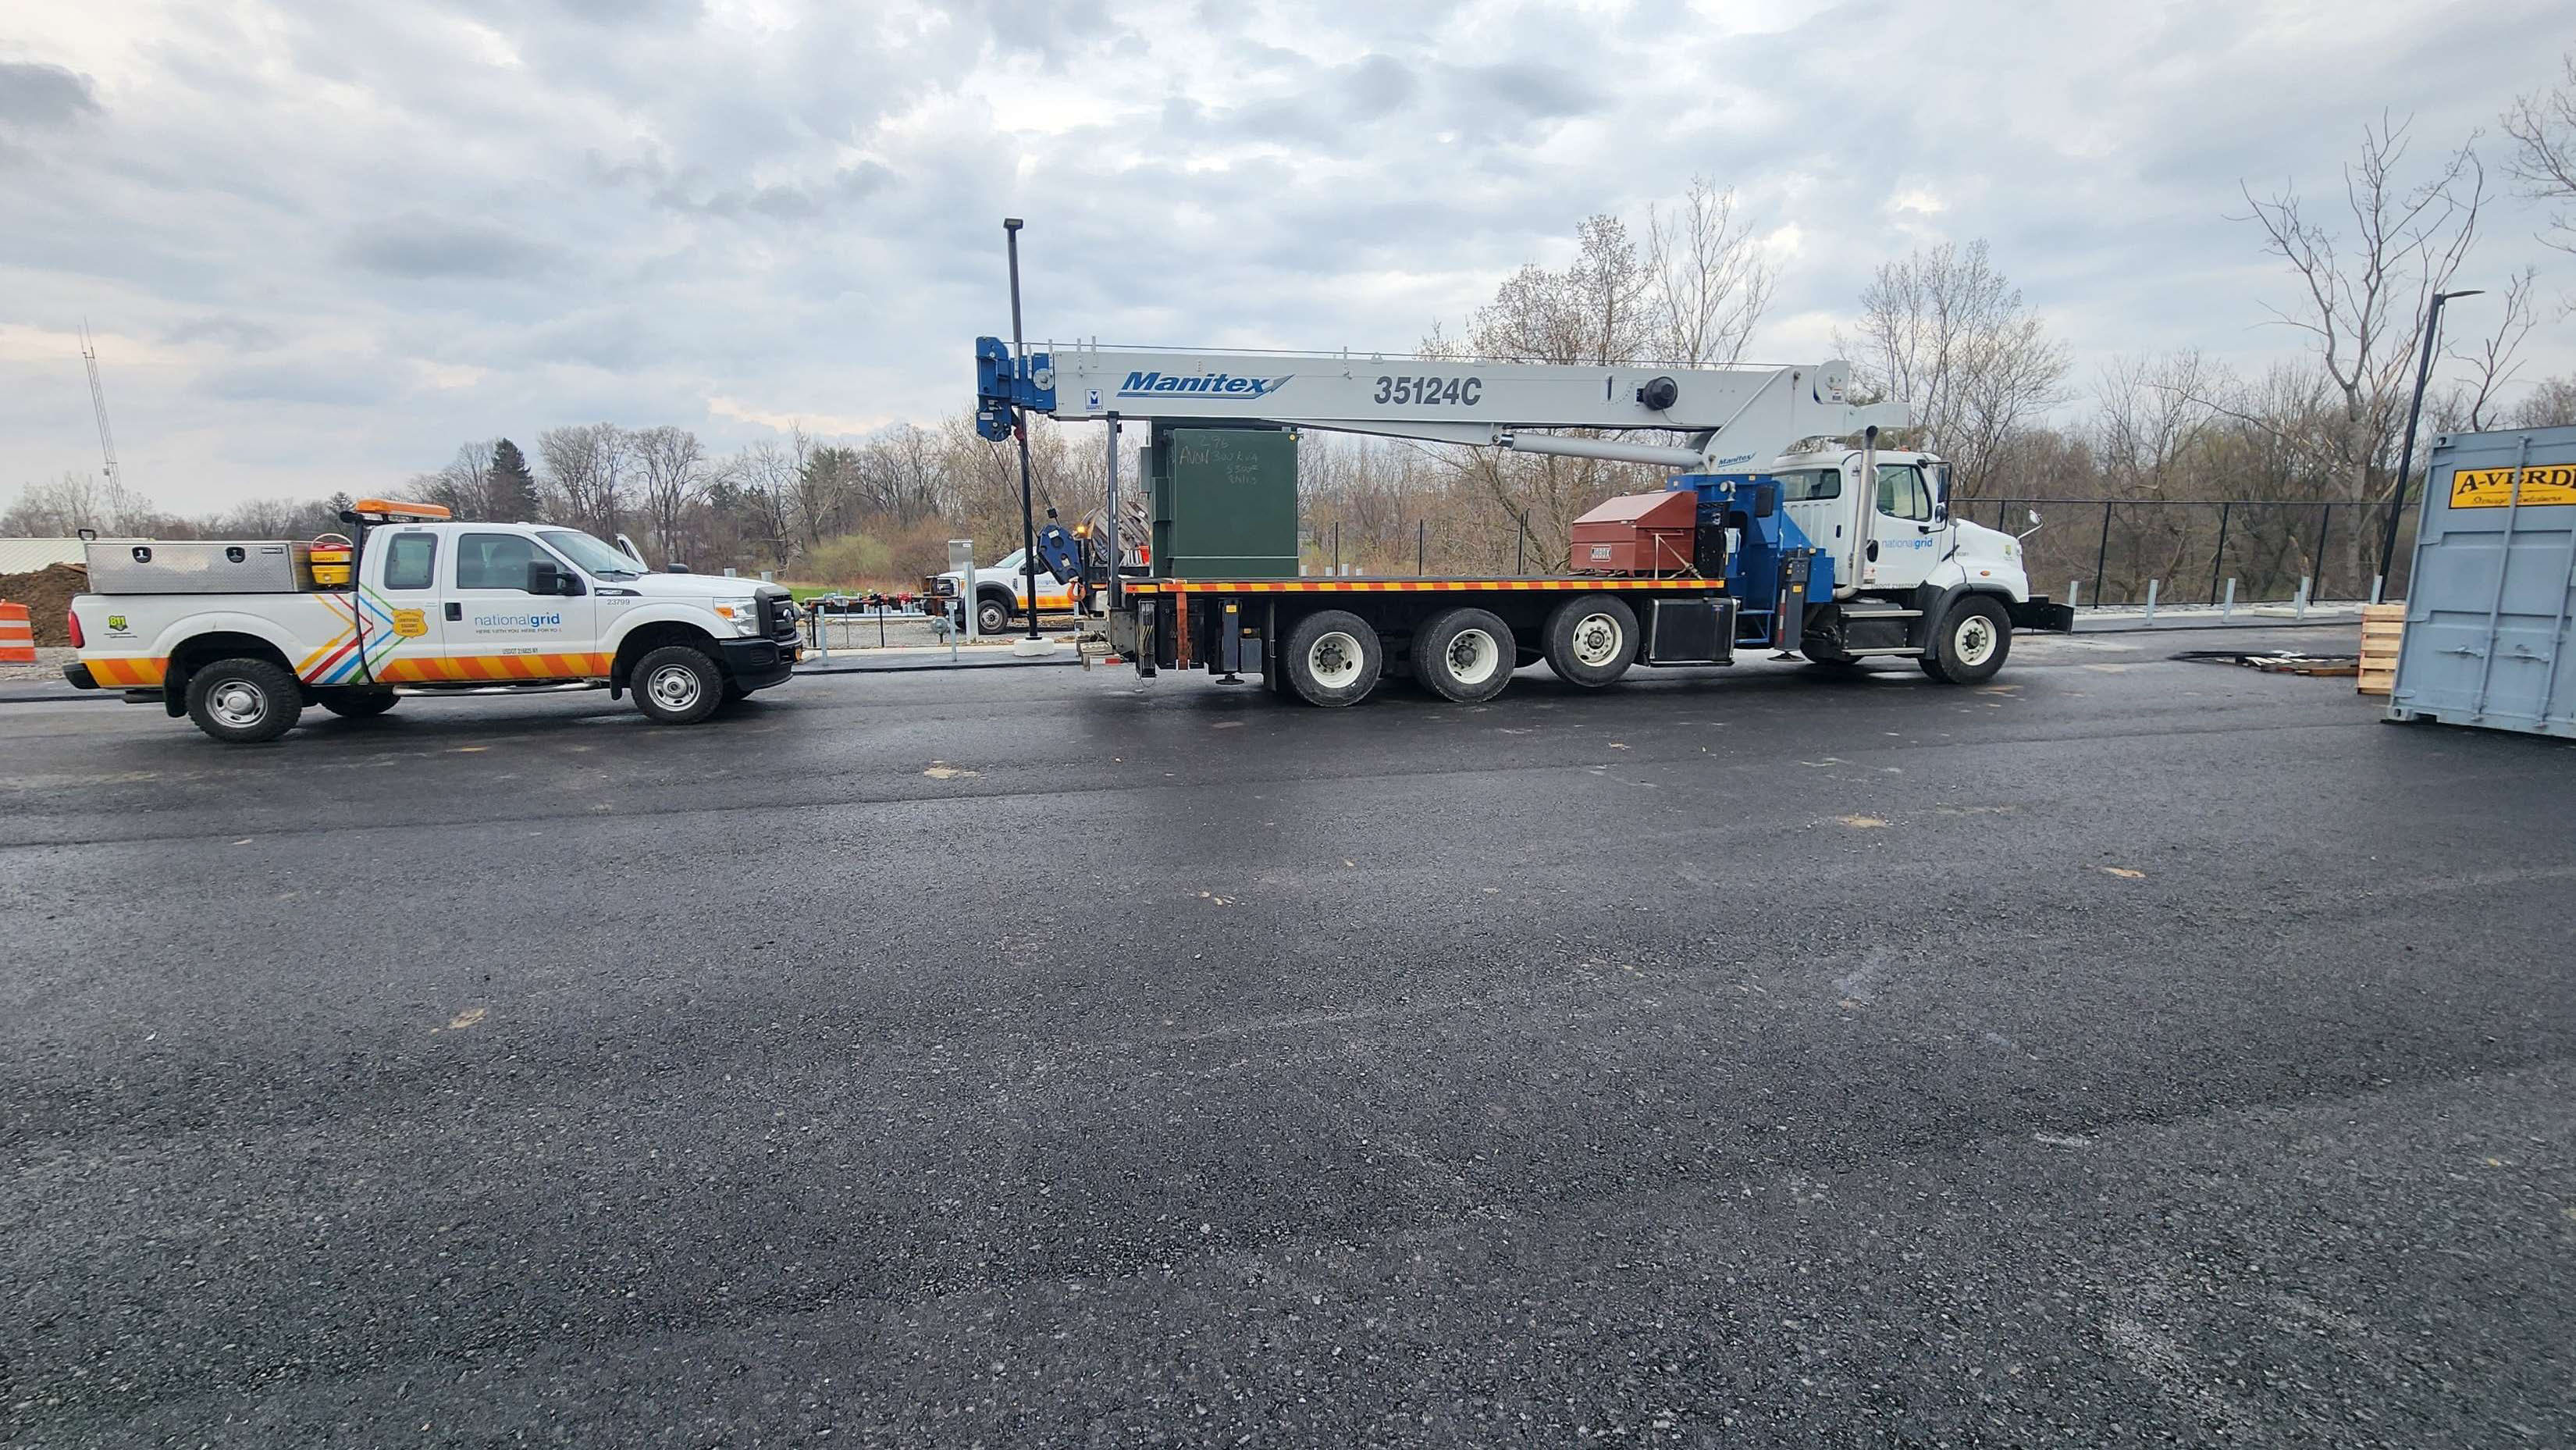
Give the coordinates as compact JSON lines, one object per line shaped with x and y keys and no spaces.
{"x":2414,"y":410}
{"x":2152,"y":585}
{"x":2218,"y":560}
{"x":1421,"y":545}
{"x":2228,"y":609}
{"x":2325,"y":523}
{"x":2102,"y":555}
{"x":1116,"y":589}
{"x":881,"y":640}
{"x":1520,"y":547}
{"x":1020,"y":429}
{"x":2304,"y":582}
{"x":1337,"y":548}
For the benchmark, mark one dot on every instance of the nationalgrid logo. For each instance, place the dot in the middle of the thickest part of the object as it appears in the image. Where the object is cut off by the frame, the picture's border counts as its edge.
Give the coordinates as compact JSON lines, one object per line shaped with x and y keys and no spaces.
{"x":1159,"y":385}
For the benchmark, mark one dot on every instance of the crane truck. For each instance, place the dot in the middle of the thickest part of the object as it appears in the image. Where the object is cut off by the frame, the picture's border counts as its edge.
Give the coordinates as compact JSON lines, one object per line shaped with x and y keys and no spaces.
{"x":1774,"y":530}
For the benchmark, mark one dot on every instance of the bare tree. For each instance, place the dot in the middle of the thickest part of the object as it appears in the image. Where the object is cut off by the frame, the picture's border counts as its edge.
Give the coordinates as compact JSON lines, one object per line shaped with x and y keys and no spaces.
{"x":1945,"y":333}
{"x":2472,"y":404}
{"x":2543,"y":128}
{"x":2366,"y":282}
{"x":672,"y":466}
{"x":1707,"y":277}
{"x":464,"y":486}
{"x":587,"y":464}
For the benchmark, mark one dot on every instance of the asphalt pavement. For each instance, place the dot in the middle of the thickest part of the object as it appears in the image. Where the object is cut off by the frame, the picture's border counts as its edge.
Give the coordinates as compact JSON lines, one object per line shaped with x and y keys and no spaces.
{"x":2127,"y":1052}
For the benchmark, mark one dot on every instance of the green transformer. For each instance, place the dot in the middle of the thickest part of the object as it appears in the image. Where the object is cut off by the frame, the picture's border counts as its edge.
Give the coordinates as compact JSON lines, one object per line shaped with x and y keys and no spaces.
{"x":1225,"y":503}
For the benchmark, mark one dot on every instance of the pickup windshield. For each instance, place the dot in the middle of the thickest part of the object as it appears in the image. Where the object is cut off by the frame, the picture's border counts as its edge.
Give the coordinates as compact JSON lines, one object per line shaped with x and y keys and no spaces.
{"x":594,"y":557}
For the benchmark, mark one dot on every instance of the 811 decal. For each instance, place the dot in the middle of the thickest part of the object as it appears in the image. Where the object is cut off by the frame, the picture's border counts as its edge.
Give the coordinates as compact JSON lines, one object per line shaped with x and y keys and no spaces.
{"x":1464,"y":392}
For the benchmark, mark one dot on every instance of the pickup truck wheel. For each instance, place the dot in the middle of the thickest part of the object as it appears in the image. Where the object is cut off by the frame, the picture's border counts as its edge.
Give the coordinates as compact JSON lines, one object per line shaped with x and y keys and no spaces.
{"x":1975,"y":637}
{"x":993,"y":614}
{"x":1591,"y":640}
{"x":1464,"y":655}
{"x":356,"y":704}
{"x":678,"y":685}
{"x":1334,"y":658}
{"x":244,"y":701}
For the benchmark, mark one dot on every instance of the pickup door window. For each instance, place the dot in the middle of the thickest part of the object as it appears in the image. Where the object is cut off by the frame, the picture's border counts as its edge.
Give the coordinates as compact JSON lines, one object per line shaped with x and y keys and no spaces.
{"x":411,"y":561}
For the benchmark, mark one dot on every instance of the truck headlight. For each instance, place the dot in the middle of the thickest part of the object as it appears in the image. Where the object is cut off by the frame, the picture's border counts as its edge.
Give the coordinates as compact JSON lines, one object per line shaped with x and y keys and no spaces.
{"x":744,"y":613}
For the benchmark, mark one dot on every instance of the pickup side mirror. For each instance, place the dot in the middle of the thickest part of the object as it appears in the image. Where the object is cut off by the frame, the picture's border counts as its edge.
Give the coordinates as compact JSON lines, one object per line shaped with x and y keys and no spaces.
{"x":545,"y":578}
{"x":675,"y":568}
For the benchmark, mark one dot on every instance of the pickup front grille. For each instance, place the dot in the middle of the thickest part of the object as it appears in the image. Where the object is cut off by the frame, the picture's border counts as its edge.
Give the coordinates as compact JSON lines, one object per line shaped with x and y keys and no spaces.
{"x":778,"y":616}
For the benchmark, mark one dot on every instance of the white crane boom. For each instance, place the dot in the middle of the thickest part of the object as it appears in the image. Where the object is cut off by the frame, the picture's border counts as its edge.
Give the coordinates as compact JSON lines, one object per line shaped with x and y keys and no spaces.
{"x":98,"y":402}
{"x":1734,"y":417}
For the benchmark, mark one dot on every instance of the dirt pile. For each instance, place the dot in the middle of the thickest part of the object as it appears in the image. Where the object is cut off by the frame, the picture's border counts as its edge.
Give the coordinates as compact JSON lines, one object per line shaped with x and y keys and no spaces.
{"x":47,"y":593}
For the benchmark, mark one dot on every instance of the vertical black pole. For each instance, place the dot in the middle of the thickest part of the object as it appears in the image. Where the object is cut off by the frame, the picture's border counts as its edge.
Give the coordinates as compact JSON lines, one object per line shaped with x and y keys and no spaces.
{"x":1020,"y":429}
{"x":1337,"y":548}
{"x":1421,"y":545}
{"x":2325,"y":521}
{"x":1520,"y":547}
{"x":2218,"y":560}
{"x":2102,"y":555}
{"x":2406,"y":450}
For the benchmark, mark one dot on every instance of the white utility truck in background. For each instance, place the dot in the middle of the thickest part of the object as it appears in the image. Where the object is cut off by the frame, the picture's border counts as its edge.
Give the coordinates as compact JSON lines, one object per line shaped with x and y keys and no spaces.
{"x":1784,"y":524}
{"x":1001,"y":592}
{"x":241,"y":635}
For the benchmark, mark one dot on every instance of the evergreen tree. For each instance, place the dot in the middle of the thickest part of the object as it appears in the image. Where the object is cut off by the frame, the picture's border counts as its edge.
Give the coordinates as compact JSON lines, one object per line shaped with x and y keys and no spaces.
{"x":514,"y":487}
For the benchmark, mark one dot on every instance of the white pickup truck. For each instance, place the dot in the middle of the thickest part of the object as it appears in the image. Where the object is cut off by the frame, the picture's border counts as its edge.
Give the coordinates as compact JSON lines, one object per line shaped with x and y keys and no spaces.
{"x":241,"y":636}
{"x":1001,"y":592}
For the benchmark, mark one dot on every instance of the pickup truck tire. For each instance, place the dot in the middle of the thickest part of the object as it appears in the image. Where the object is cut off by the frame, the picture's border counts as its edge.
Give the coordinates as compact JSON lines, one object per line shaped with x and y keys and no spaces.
{"x":678,"y":684}
{"x":1464,"y":655}
{"x":1974,"y":638}
{"x":994,"y":613}
{"x":1591,"y":640}
{"x":1333,"y":657}
{"x":356,"y":704}
{"x":244,"y":701}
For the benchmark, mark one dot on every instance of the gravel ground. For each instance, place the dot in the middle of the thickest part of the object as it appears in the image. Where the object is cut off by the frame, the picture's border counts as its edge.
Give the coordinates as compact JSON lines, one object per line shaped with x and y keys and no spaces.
{"x":50,"y":660}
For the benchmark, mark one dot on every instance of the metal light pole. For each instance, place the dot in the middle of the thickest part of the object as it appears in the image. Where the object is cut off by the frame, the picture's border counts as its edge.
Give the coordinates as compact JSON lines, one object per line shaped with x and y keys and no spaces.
{"x":1020,"y":430}
{"x":2406,"y":450}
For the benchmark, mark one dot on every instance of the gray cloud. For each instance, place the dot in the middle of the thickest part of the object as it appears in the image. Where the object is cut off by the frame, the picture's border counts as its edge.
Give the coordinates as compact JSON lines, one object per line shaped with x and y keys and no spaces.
{"x":33,"y":94}
{"x":419,"y":246}
{"x":501,"y":216}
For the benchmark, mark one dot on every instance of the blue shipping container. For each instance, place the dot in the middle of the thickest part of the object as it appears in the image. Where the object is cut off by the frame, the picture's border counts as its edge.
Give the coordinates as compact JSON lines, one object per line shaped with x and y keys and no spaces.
{"x":2494,"y":587}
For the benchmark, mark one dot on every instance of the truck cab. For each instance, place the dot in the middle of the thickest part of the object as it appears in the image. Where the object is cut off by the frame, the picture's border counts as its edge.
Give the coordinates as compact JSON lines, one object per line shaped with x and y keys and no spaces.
{"x":241,"y":636}
{"x":1001,"y":591}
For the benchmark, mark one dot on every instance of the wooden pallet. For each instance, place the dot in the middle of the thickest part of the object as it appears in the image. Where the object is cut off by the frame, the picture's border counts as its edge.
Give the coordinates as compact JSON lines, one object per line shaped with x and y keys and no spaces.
{"x":2383,"y":629}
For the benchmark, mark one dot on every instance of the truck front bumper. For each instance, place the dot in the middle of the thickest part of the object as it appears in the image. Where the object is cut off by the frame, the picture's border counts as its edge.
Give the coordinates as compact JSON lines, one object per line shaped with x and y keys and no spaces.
{"x":79,"y":675}
{"x":757,"y":664}
{"x":2042,"y":613}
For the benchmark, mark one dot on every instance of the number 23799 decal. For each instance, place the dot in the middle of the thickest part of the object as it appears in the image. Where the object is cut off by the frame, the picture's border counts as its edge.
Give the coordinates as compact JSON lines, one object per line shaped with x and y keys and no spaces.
{"x":1465,"y":392}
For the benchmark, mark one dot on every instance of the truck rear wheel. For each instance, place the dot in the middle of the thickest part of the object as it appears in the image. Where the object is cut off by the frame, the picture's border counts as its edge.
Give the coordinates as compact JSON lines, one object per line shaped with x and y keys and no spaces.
{"x":1591,"y":640}
{"x":244,"y":701}
{"x":1975,"y":637}
{"x":356,"y":704}
{"x":1464,"y":655}
{"x":993,"y":614}
{"x":678,"y":685}
{"x":1333,"y":657}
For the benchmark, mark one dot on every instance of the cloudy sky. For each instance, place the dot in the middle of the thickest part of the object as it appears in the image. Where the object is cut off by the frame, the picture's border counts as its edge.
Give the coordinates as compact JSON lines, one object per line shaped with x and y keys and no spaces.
{"x":322,"y":242}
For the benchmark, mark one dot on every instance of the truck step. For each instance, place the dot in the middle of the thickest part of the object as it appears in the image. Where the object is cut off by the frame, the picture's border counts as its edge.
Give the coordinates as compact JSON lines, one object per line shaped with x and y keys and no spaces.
{"x":1893,"y":649}
{"x":1882,"y":614}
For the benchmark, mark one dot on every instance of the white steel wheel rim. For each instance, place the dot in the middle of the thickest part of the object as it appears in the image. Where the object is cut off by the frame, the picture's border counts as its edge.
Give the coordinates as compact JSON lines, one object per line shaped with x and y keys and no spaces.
{"x":1974,"y":640}
{"x":1597,"y":638}
{"x":1472,"y":656}
{"x":1334,"y":659}
{"x":238,"y":704}
{"x":675,"y":687}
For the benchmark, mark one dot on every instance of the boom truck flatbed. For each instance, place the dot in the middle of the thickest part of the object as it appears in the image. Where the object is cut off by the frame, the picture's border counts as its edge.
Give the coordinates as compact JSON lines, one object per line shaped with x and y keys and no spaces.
{"x":1842,"y":553}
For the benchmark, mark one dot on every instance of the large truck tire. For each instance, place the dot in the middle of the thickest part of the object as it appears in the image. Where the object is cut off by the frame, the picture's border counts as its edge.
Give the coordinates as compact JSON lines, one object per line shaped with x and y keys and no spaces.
{"x":994,"y":613}
{"x":356,"y":704}
{"x":678,"y":684}
{"x":1591,"y":640}
{"x":1464,"y":655}
{"x":1333,"y":657}
{"x":1972,"y":642}
{"x":245,"y":701}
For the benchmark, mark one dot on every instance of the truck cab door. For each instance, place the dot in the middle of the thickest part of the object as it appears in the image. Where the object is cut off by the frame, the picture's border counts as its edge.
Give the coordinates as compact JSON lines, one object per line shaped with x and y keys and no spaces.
{"x":403,"y":640}
{"x":498,"y":630}
{"x":1908,"y":534}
